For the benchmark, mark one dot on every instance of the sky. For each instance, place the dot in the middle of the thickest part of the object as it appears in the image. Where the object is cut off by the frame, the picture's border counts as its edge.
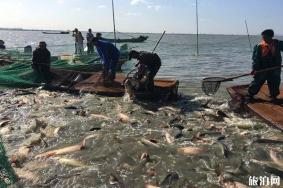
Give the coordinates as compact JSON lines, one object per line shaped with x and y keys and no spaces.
{"x":152,"y":16}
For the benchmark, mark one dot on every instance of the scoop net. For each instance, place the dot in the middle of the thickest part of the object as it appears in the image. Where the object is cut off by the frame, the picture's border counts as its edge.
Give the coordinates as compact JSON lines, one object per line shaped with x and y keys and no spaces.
{"x":211,"y":85}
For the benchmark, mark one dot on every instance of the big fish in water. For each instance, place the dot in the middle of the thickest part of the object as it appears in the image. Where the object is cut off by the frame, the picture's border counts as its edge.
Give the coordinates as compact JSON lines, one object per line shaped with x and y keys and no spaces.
{"x":70,"y":162}
{"x":69,"y":149}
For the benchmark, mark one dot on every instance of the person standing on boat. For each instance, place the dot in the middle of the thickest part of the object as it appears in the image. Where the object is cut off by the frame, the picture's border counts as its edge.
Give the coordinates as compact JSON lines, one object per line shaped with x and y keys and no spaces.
{"x":267,"y":54}
{"x":89,"y":37}
{"x":109,"y":55}
{"x":80,"y":43}
{"x":41,"y":61}
{"x":76,"y":36}
{"x":148,"y":66}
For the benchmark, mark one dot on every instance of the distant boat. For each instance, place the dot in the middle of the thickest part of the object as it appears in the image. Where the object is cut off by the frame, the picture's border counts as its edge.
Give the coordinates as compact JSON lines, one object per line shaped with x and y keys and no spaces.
{"x":61,"y":32}
{"x":134,"y":40}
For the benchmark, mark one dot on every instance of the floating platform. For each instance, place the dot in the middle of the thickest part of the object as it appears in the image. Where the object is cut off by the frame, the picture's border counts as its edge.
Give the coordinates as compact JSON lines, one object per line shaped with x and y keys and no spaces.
{"x":270,"y":112}
{"x":75,"y":81}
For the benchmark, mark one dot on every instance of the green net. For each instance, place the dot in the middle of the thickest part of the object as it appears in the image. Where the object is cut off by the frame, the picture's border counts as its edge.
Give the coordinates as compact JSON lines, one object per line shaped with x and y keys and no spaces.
{"x":20,"y":74}
{"x":7,"y":174}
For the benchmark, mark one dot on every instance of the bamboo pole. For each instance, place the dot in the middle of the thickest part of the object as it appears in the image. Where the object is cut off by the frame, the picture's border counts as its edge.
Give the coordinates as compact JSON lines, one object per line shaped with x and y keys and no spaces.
{"x":113,"y":12}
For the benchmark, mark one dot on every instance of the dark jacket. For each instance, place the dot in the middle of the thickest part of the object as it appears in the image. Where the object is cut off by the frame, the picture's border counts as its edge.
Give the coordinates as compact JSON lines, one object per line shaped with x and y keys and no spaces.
{"x":271,"y":60}
{"x":41,"y":58}
{"x":2,"y":47}
{"x":151,"y":60}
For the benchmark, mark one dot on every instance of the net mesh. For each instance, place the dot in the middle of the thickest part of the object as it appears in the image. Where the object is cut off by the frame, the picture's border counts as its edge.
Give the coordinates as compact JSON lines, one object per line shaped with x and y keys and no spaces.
{"x":211,"y":85}
{"x":20,"y":74}
{"x":7,"y":174}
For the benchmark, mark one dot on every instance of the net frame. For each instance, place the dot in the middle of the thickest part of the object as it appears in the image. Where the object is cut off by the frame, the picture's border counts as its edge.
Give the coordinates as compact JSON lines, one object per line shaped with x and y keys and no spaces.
{"x":211,"y":85}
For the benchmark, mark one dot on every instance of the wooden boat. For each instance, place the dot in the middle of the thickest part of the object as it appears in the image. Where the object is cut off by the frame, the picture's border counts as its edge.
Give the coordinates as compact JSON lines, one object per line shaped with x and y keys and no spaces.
{"x":270,"y":112}
{"x":133,"y":40}
{"x":60,"y":32}
{"x":86,"y":82}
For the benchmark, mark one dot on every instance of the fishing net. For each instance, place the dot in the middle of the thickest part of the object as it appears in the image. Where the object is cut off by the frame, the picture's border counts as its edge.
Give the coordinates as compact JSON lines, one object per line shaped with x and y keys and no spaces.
{"x":211,"y":85}
{"x":20,"y":74}
{"x":7,"y":174}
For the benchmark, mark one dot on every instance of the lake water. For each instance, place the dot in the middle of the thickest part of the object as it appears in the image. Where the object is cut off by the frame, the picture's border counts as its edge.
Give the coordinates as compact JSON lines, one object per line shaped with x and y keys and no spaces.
{"x":220,"y":55}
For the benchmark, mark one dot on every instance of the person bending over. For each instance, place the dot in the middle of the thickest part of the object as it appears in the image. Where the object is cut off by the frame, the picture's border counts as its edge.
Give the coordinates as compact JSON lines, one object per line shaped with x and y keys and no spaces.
{"x":148,"y":66}
{"x":109,"y":55}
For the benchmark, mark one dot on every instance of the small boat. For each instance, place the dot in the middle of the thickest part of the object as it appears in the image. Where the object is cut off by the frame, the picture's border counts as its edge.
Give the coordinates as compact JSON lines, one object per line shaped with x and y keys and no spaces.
{"x":86,"y":82}
{"x":262,"y":106}
{"x":60,"y":32}
{"x":133,"y":40}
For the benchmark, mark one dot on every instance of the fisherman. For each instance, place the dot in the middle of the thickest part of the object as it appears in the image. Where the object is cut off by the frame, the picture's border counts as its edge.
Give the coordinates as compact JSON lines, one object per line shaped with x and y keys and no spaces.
{"x":148,"y":66}
{"x":89,"y":37}
{"x":76,"y":36}
{"x":2,"y":45}
{"x":266,"y":55}
{"x":110,"y":57}
{"x":41,"y":61}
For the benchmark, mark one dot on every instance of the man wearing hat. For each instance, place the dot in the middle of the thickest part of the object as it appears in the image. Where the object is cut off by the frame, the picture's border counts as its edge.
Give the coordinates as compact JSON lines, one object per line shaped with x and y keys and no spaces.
{"x":148,"y":66}
{"x":267,"y":54}
{"x":41,"y":60}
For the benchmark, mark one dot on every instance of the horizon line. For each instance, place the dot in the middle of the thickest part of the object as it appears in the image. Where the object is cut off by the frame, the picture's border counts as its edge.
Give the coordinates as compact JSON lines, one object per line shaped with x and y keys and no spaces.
{"x":175,"y":33}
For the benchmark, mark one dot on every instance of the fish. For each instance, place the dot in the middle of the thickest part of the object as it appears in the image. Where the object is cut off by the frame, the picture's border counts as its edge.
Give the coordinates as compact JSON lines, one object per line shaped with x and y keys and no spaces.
{"x":5,"y":130}
{"x":70,"y":162}
{"x":170,"y":139}
{"x":99,"y":116}
{"x":123,"y":118}
{"x":4,"y":123}
{"x":234,"y":185}
{"x":169,"y":108}
{"x":191,"y":150}
{"x":273,"y":140}
{"x":224,"y":149}
{"x":150,"y":142}
{"x":149,"y":112}
{"x":150,"y":186}
{"x":170,"y":179}
{"x":276,"y":160}
{"x":65,"y":150}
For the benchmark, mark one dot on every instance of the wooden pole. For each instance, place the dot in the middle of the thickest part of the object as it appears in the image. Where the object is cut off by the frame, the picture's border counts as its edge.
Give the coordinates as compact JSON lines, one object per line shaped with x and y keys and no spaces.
{"x":197,"y":27}
{"x":113,"y":12}
{"x":249,"y":35}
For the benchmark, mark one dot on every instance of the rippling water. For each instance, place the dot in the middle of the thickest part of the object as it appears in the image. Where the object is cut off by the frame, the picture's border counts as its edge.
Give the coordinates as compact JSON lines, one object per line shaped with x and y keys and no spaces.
{"x":220,"y":55}
{"x":229,"y":143}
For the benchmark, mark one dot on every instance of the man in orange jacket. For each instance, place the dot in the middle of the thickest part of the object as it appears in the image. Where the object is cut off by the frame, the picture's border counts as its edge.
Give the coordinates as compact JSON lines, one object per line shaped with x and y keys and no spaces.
{"x":267,"y":54}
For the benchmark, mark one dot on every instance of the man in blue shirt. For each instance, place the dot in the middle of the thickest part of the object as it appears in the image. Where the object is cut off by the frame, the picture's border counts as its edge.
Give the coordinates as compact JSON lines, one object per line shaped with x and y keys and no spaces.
{"x":109,"y":55}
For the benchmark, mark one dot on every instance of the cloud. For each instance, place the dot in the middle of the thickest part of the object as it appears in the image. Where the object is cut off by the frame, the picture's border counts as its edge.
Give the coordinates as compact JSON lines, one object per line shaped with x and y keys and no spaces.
{"x":102,"y":6}
{"x":154,"y":7}
{"x":135,"y":2}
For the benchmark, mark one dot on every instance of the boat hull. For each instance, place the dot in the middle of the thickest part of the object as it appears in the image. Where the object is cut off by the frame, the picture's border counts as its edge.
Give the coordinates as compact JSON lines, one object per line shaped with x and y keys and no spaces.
{"x":262,"y":106}
{"x":82,"y":82}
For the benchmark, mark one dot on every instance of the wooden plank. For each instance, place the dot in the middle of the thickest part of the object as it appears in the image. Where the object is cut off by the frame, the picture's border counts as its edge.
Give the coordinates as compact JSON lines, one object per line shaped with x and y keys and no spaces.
{"x":271,"y":112}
